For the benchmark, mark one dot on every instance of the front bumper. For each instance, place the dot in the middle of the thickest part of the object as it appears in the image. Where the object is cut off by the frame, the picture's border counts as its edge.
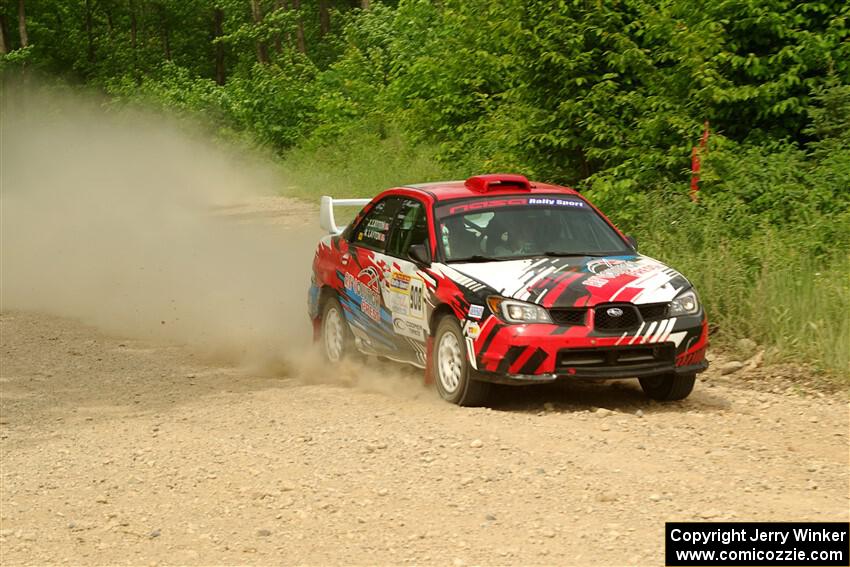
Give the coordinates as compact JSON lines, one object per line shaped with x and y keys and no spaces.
{"x":536,"y":353}
{"x":608,"y":374}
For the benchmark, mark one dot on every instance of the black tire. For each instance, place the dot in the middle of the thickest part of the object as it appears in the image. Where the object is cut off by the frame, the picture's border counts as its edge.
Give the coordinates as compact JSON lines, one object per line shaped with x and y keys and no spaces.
{"x":668,"y":387}
{"x":467,"y":391}
{"x":330,"y":310}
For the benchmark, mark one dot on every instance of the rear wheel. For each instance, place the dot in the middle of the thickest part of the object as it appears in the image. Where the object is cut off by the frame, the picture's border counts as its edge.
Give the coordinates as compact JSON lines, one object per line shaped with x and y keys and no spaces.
{"x":452,"y":372}
{"x":336,"y":336}
{"x":668,"y":387}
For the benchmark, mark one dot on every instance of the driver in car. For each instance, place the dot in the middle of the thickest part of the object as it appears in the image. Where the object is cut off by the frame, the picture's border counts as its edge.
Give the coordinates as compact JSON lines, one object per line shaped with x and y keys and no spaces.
{"x":514,"y":241}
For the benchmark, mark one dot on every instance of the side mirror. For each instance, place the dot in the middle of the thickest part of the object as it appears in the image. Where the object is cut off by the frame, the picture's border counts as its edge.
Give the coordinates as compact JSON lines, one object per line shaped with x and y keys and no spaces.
{"x":420,"y":254}
{"x":632,"y":241}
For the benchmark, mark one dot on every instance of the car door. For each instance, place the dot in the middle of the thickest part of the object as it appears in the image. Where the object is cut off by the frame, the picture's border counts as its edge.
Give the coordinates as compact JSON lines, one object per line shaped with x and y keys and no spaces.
{"x":364,"y":269}
{"x":404,"y":290}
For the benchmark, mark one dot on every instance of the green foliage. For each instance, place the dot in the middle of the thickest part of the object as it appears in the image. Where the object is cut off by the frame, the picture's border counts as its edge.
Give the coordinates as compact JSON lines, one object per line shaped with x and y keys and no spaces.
{"x":350,"y":91}
{"x":271,"y":105}
{"x":778,"y":286}
{"x":362,"y":165}
{"x":174,"y":88}
{"x":766,"y":244}
{"x":274,"y":104}
{"x":565,"y":91}
{"x":608,"y":96}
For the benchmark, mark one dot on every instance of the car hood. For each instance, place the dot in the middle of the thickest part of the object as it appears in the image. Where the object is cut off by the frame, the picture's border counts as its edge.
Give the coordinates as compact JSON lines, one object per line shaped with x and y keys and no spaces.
{"x":574,"y":281}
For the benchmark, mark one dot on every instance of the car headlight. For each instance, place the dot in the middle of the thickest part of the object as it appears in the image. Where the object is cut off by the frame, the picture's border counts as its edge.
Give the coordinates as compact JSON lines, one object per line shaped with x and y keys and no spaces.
{"x":686,"y":304}
{"x":517,"y":311}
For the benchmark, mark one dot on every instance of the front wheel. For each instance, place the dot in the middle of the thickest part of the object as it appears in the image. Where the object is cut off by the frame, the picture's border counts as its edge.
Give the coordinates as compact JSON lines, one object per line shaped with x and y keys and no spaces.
{"x":335,"y":333}
{"x":668,"y":387}
{"x":453,"y":375}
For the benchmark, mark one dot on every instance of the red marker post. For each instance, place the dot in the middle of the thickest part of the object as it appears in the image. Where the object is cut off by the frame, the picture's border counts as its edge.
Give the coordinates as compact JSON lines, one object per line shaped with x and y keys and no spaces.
{"x":696,"y":153}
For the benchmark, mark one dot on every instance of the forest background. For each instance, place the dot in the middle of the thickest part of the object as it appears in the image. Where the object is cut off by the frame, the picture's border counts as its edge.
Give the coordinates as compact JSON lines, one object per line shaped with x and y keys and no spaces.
{"x":614,"y":98}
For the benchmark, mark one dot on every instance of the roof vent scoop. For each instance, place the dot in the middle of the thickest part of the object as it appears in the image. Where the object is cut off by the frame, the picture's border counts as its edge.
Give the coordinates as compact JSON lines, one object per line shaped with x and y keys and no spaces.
{"x":496,"y":181}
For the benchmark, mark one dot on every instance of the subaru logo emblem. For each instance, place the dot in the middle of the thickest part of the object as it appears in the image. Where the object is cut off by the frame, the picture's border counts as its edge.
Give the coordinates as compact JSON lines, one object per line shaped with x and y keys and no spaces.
{"x":615,"y":312}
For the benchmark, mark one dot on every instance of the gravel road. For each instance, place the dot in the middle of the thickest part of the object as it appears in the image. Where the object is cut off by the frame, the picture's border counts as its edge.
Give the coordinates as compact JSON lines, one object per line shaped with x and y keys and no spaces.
{"x":121,"y":451}
{"x":167,"y":412}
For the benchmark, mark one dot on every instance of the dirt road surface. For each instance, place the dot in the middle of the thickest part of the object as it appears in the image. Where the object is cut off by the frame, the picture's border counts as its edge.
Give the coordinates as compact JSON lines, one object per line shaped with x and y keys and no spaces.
{"x":122,"y":451}
{"x":118,"y":451}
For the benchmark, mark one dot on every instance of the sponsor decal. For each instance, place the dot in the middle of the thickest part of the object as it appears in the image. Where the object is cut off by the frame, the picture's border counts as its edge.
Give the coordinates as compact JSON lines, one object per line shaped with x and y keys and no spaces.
{"x":397,"y":303}
{"x":405,"y":295}
{"x":399,"y":283}
{"x":509,"y":202}
{"x":555,"y":202}
{"x":365,"y":285}
{"x":598,"y":266}
{"x":370,"y":276}
{"x":489,"y":204}
{"x":473,"y":330}
{"x":606,"y":269}
{"x":407,"y":328}
{"x":476,"y":311}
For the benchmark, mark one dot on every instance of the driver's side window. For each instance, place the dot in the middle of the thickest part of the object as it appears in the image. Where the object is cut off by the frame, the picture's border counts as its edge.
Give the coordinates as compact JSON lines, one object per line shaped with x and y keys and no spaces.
{"x":374,"y":230}
{"x":410,"y":226}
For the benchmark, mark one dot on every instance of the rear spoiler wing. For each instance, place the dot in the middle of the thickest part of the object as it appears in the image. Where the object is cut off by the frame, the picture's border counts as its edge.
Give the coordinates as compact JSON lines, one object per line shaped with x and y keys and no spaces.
{"x":326,"y":211}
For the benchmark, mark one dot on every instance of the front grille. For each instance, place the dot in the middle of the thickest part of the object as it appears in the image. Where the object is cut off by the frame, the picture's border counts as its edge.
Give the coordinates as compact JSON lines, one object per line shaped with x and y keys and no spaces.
{"x":632,"y":317}
{"x":568,"y":316}
{"x":653,"y":311}
{"x":605,"y":321}
{"x":615,"y":357}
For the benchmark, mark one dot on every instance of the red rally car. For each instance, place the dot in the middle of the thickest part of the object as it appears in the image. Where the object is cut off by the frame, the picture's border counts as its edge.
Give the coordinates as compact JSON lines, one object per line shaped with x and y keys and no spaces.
{"x":500,"y":280}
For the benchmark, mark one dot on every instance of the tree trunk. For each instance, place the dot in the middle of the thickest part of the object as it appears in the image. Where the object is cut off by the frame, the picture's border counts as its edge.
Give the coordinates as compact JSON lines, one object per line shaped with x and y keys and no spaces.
{"x":324,"y":18}
{"x":134,"y":25}
{"x":262,"y":50}
{"x":365,"y":4}
{"x":89,"y":32}
{"x":299,"y":31}
{"x":22,"y":24}
{"x":166,"y":33}
{"x":4,"y":47}
{"x":218,"y":21}
{"x":287,"y":37}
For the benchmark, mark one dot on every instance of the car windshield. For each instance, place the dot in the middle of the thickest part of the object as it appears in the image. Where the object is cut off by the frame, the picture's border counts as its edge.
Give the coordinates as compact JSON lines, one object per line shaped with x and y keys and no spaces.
{"x":522,"y":227}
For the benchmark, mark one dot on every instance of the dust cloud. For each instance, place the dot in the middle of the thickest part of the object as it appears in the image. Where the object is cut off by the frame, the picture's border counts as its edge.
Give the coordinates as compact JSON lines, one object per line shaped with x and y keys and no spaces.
{"x":119,"y":219}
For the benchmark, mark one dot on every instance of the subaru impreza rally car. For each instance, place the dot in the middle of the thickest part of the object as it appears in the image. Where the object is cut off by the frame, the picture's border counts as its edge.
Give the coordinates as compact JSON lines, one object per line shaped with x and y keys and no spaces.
{"x":500,"y":280}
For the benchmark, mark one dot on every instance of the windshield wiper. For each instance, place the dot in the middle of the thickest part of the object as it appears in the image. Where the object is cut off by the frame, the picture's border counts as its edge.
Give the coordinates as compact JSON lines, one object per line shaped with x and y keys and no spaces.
{"x":570,"y":254}
{"x":476,"y":258}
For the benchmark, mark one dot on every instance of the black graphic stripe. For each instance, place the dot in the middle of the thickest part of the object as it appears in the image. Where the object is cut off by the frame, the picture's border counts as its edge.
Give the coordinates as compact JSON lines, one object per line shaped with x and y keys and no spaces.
{"x":495,"y":331}
{"x":510,"y":357}
{"x":533,"y":362}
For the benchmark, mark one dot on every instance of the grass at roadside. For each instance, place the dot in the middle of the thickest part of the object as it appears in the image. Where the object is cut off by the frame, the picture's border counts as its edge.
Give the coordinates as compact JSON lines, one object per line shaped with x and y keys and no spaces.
{"x":771,"y":286}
